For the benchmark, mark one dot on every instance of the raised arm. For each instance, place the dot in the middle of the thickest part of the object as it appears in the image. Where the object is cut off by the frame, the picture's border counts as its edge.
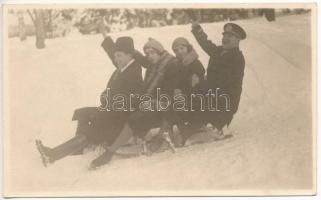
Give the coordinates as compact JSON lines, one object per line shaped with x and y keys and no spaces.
{"x":207,"y":45}
{"x":109,"y":47}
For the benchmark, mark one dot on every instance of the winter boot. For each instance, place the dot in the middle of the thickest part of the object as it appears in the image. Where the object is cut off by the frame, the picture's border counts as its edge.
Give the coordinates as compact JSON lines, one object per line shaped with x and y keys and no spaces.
{"x":50,"y":155}
{"x":45,"y":153}
{"x":218,"y":134}
{"x":103,"y":159}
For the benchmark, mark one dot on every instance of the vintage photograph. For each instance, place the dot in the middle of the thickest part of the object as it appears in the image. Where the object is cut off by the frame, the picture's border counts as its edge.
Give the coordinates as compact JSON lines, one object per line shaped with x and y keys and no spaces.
{"x":159,"y":100}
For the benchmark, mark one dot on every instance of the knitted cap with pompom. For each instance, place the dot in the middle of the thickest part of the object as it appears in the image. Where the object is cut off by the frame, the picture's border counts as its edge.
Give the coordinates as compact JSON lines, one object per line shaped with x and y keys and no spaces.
{"x":152,"y":43}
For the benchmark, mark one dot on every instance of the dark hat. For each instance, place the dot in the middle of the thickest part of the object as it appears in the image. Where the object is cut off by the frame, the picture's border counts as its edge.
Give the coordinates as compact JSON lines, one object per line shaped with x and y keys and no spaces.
{"x":125,"y":44}
{"x":235,"y":30}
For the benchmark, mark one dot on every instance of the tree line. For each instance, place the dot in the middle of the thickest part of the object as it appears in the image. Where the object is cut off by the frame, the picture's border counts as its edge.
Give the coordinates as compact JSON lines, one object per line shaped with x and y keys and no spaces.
{"x":50,"y":23}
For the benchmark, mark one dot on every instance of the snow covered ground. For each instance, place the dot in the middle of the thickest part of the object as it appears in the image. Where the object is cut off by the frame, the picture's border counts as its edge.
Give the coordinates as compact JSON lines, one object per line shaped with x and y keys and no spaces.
{"x":271,"y":151}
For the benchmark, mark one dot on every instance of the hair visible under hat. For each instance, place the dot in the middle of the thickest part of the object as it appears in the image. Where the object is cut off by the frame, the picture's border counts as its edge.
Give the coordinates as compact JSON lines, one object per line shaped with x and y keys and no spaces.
{"x":181,"y":41}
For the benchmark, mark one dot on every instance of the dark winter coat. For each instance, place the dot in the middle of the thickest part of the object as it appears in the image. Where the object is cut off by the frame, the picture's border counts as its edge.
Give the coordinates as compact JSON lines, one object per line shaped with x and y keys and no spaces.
{"x":187,"y":68}
{"x":185,"y":76}
{"x":225,"y":71}
{"x":104,"y":126}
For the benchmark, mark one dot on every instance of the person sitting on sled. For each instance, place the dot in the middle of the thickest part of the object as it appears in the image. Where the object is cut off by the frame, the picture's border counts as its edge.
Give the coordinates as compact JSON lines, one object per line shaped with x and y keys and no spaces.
{"x":224,"y":73}
{"x":101,"y":125}
{"x":190,"y":79}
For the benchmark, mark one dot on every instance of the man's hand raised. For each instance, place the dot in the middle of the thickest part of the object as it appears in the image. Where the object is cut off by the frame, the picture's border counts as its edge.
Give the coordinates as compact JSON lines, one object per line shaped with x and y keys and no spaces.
{"x":195,"y":24}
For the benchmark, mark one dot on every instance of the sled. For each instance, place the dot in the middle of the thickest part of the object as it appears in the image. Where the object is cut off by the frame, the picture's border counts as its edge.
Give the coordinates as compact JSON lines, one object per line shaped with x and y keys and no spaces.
{"x":209,"y":139}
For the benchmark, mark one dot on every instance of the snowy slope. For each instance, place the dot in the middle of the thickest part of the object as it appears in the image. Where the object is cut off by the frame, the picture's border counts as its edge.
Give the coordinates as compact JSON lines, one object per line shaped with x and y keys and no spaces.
{"x":272,"y":145}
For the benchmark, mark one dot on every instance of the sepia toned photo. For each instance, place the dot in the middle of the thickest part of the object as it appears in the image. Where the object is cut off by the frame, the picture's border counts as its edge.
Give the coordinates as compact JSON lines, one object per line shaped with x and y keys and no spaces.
{"x":159,"y":100}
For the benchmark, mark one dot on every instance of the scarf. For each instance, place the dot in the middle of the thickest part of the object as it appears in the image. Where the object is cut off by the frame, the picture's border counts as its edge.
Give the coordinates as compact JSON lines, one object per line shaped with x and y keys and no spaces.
{"x":156,"y":72}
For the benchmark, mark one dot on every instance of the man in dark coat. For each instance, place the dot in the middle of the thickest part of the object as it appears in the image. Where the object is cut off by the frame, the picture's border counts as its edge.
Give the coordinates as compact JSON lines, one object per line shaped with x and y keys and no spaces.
{"x":102,"y":125}
{"x":224,"y":73}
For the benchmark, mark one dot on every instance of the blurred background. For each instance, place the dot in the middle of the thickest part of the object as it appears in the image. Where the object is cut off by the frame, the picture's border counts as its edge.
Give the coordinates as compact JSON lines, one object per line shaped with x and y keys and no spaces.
{"x":52,"y":23}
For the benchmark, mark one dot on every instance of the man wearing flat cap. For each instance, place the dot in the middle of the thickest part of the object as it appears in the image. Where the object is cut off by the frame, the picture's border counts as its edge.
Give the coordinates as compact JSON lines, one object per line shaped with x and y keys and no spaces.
{"x":224,"y":73}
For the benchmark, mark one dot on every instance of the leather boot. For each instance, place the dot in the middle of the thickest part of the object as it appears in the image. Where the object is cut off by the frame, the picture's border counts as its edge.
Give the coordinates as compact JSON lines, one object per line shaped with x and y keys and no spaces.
{"x":103,"y":159}
{"x":50,"y":155}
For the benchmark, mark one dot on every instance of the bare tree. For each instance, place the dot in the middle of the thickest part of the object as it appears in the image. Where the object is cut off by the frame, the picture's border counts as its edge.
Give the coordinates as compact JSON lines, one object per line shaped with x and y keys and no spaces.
{"x":39,"y":23}
{"x":22,"y":26}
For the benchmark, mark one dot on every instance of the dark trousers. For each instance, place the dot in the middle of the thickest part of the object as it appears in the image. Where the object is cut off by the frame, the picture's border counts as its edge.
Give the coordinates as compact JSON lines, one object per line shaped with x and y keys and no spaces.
{"x":143,"y":121}
{"x":99,"y":126}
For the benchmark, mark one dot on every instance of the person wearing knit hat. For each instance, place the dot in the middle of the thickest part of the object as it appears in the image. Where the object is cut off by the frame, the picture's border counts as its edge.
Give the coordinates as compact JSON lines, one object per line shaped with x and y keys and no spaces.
{"x":180,"y":41}
{"x":181,"y":47}
{"x":152,"y":43}
{"x":192,"y":74}
{"x":161,"y":75}
{"x":188,"y":58}
{"x":153,"y":50}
